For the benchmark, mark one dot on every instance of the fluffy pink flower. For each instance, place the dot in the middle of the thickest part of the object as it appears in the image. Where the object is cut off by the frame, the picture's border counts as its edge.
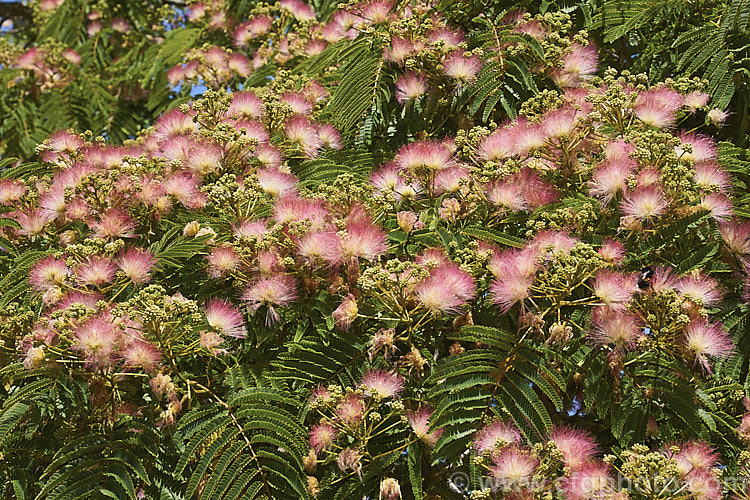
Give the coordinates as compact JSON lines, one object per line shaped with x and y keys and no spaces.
{"x":225,"y":318}
{"x":274,"y":291}
{"x":425,"y":155}
{"x":507,"y":195}
{"x":11,"y":191}
{"x":295,"y":209}
{"x":247,"y":105}
{"x":616,"y":328}
{"x":322,"y":246}
{"x":709,"y":175}
{"x":450,"y":180}
{"x":299,"y":9}
{"x":137,"y":264}
{"x":141,"y":354}
{"x":702,"y":148}
{"x":515,"y":273}
{"x":578,"y":65}
{"x":736,"y":236}
{"x":275,"y":182}
{"x":48,"y":273}
{"x":644,"y":204}
{"x":527,"y":136}
{"x":299,"y":104}
{"x":302,"y":131}
{"x":329,"y":136}
{"x":701,"y":289}
{"x":663,"y":279}
{"x":447,"y":288}
{"x":419,"y":421}
{"x":96,"y":270}
{"x":559,"y":123}
{"x":268,"y":156}
{"x":612,"y":251}
{"x":462,"y":68}
{"x":350,"y":410}
{"x":204,"y":159}
{"x":174,"y":122}
{"x":97,"y":340}
{"x":614,"y":289}
{"x":495,"y":434}
{"x":239,"y":64}
{"x":363,"y":240}
{"x":577,"y":447}
{"x":513,"y":468}
{"x":32,"y":221}
{"x":705,"y":341}
{"x":695,"y":456}
{"x":345,"y":314}
{"x":718,"y":204}
{"x":591,"y":481}
{"x":705,"y":485}
{"x":114,"y":224}
{"x":382,"y":384}
{"x":610,"y":179}
{"x":498,"y":145}
{"x":549,"y":242}
{"x":387,"y":179}
{"x":410,"y":87}
{"x":657,"y":106}
{"x":322,"y":437}
{"x":222,"y":260}
{"x":696,"y":99}
{"x":349,"y":458}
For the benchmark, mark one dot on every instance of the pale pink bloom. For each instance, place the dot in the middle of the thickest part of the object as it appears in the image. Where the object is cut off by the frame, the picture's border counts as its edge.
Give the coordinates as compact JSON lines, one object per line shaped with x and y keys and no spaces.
{"x":527,"y":137}
{"x":96,"y":270}
{"x":48,"y":273}
{"x":448,"y":37}
{"x":301,"y":130}
{"x":513,"y":468}
{"x":65,"y":142}
{"x":663,"y":279}
{"x":11,"y":191}
{"x":322,"y":437}
{"x":114,"y":224}
{"x":87,"y":300}
{"x":549,"y":242}
{"x":222,"y":261}
{"x":709,"y":175}
{"x":299,"y":104}
{"x":498,"y":145}
{"x":425,"y":155}
{"x":462,"y":68}
{"x":589,"y":482}
{"x":349,"y":458}
{"x":363,"y":239}
{"x":329,"y":136}
{"x":174,"y":122}
{"x":617,"y":328}
{"x":419,"y":421}
{"x":719,"y":206}
{"x":204,"y":159}
{"x":210,"y":341}
{"x":406,"y":220}
{"x":225,"y":318}
{"x":511,"y":286}
{"x":239,"y":64}
{"x":578,"y":65}
{"x":612,"y":251}
{"x":268,"y":156}
{"x":141,"y":354}
{"x":717,"y":117}
{"x":382,"y":384}
{"x":559,"y":123}
{"x":705,"y":341}
{"x":610,"y":179}
{"x":269,"y":262}
{"x":657,"y":106}
{"x":701,"y":289}
{"x":295,"y":209}
{"x":216,"y":59}
{"x":702,"y":147}
{"x":507,"y":195}
{"x":34,"y":358}
{"x":695,"y":100}
{"x":250,"y":229}
{"x":450,"y":180}
{"x":315,"y":47}
{"x":410,"y":87}
{"x":93,"y":28}
{"x":120,"y":25}
{"x":255,"y":27}
{"x":300,"y":10}
{"x":246,"y":104}
{"x":97,"y":340}
{"x":137,"y":264}
{"x":577,"y":447}
{"x":185,"y":188}
{"x":320,"y":246}
{"x":736,"y":236}
{"x":388,"y":180}
{"x":275,"y":182}
{"x":32,"y":221}
{"x":446,"y":289}
{"x":614,"y":289}
{"x":695,"y":456}
{"x":71,"y":56}
{"x":644,"y":203}
{"x":377,"y":11}
{"x":400,"y":50}
{"x":279,"y":290}
{"x":619,"y":150}
{"x":494,"y":436}
{"x":705,"y":485}
{"x":536,"y":191}
{"x":350,"y":410}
